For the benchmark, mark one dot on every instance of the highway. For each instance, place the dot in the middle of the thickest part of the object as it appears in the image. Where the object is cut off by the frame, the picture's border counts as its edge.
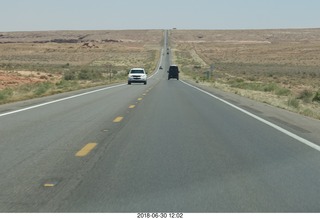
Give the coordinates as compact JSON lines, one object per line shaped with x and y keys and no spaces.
{"x":161,"y":147}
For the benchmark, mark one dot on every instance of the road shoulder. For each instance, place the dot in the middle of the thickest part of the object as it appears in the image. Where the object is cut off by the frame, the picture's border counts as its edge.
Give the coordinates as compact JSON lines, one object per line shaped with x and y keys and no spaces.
{"x":303,"y":126}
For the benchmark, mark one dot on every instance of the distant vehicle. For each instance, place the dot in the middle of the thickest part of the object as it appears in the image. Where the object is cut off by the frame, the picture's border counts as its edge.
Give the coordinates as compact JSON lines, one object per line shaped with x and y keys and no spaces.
{"x":160,"y":67}
{"x":137,"y":75}
{"x":173,"y":72}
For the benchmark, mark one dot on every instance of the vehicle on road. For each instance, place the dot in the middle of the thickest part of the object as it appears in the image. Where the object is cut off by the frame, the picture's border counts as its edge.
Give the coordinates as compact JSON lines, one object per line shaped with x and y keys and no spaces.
{"x":160,"y":67}
{"x":173,"y":72}
{"x":137,"y":75}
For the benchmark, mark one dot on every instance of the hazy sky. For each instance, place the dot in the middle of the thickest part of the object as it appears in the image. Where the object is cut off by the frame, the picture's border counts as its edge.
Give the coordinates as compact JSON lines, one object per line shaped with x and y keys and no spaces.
{"x":21,"y":15}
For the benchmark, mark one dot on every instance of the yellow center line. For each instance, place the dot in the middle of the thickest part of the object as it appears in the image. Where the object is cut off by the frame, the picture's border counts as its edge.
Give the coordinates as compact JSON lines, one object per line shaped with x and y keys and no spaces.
{"x":140,"y":98}
{"x":86,"y":150}
{"x":118,"y":119}
{"x":49,"y":185}
{"x":132,"y":106}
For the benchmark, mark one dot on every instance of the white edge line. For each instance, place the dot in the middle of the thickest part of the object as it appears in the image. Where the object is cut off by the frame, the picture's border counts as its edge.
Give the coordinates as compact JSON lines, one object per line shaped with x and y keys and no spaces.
{"x":157,"y":69}
{"x":161,"y":57}
{"x":59,"y":100}
{"x":292,"y":135}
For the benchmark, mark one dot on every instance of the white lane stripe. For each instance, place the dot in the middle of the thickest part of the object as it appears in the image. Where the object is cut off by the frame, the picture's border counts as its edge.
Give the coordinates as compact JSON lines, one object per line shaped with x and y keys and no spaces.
{"x":158,"y":66}
{"x":59,"y":100}
{"x":292,"y":135}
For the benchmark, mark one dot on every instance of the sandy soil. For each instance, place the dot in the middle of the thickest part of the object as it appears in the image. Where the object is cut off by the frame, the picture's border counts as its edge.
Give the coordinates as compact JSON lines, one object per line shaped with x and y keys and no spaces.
{"x":17,"y":78}
{"x":48,"y":54}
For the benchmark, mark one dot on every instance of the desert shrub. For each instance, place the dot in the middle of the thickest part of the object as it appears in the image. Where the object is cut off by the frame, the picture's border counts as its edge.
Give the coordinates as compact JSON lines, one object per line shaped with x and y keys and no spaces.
{"x":69,"y":76}
{"x":89,"y":75}
{"x":5,"y":94}
{"x":293,"y":102}
{"x":84,"y":75}
{"x":305,"y":96}
{"x":239,"y":83}
{"x":316,"y":98}
{"x":25,"y":88}
{"x":264,"y":87}
{"x":269,"y":87}
{"x":308,"y":112}
{"x":96,"y":75}
{"x":66,"y":85}
{"x":282,"y":91}
{"x":42,"y":88}
{"x":239,"y":80}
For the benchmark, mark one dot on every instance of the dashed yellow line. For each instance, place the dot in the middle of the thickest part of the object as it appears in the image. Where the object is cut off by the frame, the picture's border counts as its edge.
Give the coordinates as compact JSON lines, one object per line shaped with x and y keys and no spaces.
{"x":139,"y":98}
{"x":118,"y":119}
{"x":48,"y":185}
{"x":132,"y":106}
{"x":86,"y":150}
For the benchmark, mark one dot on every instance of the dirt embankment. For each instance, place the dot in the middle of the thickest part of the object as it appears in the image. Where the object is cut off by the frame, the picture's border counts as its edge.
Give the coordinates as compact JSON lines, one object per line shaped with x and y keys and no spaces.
{"x":9,"y":79}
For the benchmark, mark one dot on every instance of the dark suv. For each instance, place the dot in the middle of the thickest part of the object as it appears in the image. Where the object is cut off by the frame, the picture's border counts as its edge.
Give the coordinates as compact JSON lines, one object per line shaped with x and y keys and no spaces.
{"x":173,"y":72}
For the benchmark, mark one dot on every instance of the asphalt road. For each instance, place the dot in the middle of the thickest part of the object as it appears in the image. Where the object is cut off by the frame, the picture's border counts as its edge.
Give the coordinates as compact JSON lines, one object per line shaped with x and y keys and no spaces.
{"x":160,"y":147}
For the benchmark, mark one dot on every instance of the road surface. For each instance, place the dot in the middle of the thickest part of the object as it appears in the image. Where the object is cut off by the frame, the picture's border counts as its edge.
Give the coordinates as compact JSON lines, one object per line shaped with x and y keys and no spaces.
{"x":161,"y":147}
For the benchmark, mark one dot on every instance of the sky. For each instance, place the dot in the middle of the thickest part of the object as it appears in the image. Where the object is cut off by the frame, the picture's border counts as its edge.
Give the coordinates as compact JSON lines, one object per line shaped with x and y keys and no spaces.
{"x":39,"y":15}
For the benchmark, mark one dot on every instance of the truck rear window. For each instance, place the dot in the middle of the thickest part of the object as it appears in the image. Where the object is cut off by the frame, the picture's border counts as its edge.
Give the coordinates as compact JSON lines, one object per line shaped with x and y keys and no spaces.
{"x":137,"y":72}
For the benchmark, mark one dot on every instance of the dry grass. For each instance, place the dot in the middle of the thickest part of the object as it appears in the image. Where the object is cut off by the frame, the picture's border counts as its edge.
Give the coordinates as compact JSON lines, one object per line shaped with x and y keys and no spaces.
{"x":93,"y":57}
{"x":116,"y":48}
{"x":273,"y":66}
